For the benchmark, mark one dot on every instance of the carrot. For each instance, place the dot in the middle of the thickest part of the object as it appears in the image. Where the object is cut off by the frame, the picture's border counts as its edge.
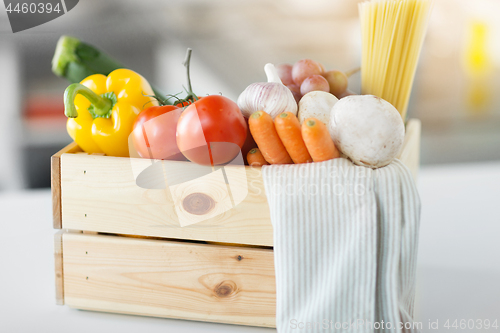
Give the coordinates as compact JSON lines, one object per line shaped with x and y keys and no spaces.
{"x":267,"y":139}
{"x":318,"y":141}
{"x":288,"y":128}
{"x":255,"y":158}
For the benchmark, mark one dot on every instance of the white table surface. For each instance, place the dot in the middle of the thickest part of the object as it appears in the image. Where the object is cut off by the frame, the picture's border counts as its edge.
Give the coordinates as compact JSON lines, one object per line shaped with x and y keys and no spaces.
{"x":458,"y":267}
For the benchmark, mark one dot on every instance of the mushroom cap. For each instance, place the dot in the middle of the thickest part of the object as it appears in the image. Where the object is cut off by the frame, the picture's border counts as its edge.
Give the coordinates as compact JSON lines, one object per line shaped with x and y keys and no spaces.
{"x":316,"y":104}
{"x":367,"y":129}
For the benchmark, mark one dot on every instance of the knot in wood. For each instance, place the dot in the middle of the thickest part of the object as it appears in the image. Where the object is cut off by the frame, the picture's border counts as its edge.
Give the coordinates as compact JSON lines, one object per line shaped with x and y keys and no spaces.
{"x":198,"y":203}
{"x":225,"y":289}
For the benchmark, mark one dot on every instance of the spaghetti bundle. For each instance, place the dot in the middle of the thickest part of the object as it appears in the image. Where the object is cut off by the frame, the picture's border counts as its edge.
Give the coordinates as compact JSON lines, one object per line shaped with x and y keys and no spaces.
{"x":392,"y":35}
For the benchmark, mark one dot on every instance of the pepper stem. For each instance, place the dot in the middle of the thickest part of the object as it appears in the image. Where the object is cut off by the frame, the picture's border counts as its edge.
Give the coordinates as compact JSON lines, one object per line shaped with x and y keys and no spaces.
{"x":100,"y":105}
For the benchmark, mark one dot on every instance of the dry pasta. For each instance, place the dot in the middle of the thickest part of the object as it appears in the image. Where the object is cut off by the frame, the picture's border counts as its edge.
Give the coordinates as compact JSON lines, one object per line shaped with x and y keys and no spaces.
{"x":392,"y":33}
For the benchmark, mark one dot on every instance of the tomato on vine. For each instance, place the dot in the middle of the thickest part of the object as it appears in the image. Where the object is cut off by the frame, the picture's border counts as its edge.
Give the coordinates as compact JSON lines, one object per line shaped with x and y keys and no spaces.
{"x":154,"y":133}
{"x":211,"y":131}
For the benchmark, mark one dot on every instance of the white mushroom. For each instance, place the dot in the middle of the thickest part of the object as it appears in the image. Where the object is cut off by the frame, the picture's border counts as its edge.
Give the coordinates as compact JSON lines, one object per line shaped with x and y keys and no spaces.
{"x":367,"y":129}
{"x":317,"y":104}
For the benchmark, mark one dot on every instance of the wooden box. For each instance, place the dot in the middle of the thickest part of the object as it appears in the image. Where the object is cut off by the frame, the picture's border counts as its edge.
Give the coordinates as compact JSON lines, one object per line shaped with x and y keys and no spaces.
{"x":123,"y":249}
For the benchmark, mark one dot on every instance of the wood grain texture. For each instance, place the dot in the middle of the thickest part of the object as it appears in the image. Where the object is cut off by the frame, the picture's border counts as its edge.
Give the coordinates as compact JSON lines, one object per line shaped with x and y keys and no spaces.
{"x":55,"y":182}
{"x":161,"y":278}
{"x":410,"y":154}
{"x":99,"y":193}
{"x":58,"y":263}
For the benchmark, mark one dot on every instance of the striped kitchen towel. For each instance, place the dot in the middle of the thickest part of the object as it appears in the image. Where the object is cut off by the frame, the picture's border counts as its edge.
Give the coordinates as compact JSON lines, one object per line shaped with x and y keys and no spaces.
{"x":345,"y":246}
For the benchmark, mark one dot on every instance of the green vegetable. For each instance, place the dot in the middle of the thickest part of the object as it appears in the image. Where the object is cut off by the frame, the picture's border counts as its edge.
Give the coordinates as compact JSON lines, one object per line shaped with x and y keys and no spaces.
{"x":76,"y":60}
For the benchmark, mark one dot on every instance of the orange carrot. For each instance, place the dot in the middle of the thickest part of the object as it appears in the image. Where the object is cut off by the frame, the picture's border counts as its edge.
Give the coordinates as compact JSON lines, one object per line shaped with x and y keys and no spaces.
{"x":255,"y":158}
{"x":288,"y":128}
{"x":267,"y":139}
{"x":318,"y":141}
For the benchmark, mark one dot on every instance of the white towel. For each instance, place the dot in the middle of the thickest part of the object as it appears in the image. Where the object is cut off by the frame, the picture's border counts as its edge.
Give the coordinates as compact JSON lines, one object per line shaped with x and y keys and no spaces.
{"x":345,"y":246}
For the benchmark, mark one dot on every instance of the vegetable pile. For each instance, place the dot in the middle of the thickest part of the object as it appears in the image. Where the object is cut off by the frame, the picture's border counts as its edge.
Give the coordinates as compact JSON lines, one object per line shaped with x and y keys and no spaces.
{"x":302,"y":114}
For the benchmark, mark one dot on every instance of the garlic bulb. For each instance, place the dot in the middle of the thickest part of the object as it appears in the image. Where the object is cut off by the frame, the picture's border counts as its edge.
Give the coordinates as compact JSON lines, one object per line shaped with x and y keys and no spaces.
{"x":272,"y":97}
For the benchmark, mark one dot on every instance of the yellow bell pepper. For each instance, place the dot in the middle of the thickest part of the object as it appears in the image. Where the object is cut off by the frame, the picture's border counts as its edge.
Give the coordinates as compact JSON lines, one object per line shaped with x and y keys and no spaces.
{"x":102,"y":110}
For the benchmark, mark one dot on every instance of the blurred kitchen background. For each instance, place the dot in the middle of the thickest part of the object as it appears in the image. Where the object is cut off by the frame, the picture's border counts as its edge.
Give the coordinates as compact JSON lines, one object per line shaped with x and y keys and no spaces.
{"x":456,"y":92}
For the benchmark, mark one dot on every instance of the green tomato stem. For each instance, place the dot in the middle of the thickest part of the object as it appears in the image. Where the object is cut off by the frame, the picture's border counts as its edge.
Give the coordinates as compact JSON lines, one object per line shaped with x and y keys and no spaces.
{"x":187,"y":62}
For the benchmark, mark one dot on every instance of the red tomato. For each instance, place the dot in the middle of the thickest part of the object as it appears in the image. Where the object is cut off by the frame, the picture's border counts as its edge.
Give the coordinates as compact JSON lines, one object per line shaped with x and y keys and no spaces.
{"x":154,"y":132}
{"x":211,"y":131}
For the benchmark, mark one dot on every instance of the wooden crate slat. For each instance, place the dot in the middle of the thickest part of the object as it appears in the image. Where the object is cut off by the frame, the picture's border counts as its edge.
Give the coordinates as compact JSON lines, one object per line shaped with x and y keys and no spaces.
{"x":99,"y":193}
{"x":169,"y":279}
{"x":59,"y":272}
{"x":55,"y":182}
